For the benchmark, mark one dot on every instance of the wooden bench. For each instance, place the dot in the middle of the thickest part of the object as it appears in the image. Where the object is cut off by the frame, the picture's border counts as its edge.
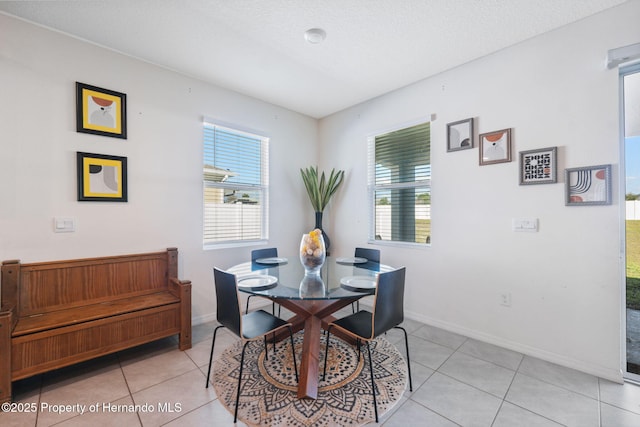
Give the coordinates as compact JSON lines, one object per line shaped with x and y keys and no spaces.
{"x":55,"y":314}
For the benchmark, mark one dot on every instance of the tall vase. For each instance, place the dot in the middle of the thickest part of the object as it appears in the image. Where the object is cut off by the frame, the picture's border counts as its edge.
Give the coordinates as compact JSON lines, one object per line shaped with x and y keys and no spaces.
{"x":312,"y":252}
{"x":327,"y":242}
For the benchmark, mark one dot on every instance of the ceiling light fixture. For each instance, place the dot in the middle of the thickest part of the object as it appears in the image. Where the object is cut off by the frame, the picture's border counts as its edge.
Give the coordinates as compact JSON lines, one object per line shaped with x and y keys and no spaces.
{"x":315,"y":35}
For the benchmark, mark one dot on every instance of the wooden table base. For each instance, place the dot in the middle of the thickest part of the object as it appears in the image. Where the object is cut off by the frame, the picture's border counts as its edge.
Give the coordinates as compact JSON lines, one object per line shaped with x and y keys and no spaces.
{"x":312,"y":316}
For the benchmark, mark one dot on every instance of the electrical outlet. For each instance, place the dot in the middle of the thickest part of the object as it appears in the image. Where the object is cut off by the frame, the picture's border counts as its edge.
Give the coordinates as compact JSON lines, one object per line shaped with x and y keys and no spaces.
{"x":505,"y":299}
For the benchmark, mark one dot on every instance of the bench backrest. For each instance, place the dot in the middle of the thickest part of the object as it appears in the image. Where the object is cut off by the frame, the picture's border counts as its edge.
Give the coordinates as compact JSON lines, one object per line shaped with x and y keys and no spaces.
{"x":49,"y":286}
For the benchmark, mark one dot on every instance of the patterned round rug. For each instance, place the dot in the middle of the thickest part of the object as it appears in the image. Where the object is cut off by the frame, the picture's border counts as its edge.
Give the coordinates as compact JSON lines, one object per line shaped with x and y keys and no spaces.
{"x":269,"y":388}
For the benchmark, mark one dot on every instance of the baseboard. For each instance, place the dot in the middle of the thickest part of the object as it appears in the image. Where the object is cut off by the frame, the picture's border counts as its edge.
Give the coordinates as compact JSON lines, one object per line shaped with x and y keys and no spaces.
{"x":211,"y":317}
{"x":568,"y":362}
{"x":262,"y":303}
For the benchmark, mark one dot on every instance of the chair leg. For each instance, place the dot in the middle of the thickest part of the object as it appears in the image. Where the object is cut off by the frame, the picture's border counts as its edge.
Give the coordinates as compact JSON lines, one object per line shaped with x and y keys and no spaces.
{"x":293,"y":353}
{"x":246,"y":310}
{"x":355,"y":306}
{"x":326,"y":353}
{"x":406,"y":343}
{"x":266,"y":349}
{"x":213,"y":343}
{"x":373,"y":384}
{"x":235,"y":414}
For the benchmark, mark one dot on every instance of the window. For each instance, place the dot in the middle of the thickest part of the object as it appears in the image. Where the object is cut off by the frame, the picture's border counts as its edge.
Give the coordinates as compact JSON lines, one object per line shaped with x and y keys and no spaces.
{"x":236,"y":183}
{"x":400,"y":185}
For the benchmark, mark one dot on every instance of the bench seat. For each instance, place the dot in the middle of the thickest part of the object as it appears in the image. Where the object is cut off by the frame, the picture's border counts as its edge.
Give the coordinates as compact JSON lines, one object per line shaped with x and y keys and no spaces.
{"x":61,"y":318}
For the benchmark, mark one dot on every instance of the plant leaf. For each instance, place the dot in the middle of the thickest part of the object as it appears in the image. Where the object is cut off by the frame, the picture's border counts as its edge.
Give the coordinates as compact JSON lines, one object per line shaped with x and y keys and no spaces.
{"x":320,"y":191}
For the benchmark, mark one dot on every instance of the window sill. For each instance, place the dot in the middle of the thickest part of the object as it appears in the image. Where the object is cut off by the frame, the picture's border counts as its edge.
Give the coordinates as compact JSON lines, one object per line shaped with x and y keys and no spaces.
{"x":408,"y":245}
{"x":228,"y":245}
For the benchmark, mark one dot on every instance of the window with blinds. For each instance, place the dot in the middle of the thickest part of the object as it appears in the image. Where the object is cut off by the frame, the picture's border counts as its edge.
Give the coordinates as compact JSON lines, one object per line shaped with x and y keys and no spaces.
{"x":400,"y":185}
{"x":236,"y":183}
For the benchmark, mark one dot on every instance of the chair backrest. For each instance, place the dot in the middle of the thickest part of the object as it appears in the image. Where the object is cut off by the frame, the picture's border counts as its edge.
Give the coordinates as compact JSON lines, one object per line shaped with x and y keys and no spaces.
{"x":388,"y":305}
{"x":372,"y":255}
{"x":228,"y":305}
{"x":264,"y":253}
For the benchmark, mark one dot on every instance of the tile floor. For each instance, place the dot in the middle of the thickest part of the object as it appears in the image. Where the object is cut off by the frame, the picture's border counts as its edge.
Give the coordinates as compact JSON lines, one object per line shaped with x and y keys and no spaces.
{"x":457,"y":382}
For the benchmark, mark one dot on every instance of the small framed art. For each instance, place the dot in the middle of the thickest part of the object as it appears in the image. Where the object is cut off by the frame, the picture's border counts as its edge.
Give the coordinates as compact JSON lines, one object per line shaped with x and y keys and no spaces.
{"x":101,"y":111}
{"x":460,"y":135}
{"x":101,"y":178}
{"x":589,"y":185}
{"x":538,"y":166}
{"x":495,"y":147}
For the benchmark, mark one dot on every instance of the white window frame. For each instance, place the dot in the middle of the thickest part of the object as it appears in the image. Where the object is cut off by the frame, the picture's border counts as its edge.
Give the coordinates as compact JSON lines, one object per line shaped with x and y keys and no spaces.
{"x":372,"y":188}
{"x":262,"y":188}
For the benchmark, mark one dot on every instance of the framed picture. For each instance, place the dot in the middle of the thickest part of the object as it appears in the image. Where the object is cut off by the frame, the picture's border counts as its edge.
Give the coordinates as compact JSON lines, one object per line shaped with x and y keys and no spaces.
{"x":495,"y":147}
{"x":589,"y":185}
{"x":460,"y":135}
{"x":538,"y":166}
{"x":101,"y":178}
{"x":101,"y":111}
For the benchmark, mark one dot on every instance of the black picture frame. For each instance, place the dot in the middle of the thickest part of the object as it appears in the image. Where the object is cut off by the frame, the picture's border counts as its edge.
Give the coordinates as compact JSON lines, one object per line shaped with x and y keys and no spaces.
{"x":101,"y":177}
{"x":101,"y":111}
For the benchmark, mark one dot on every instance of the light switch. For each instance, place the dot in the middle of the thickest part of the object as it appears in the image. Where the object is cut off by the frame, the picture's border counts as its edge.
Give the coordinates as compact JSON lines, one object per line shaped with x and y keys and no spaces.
{"x":64,"y":225}
{"x":525,"y":224}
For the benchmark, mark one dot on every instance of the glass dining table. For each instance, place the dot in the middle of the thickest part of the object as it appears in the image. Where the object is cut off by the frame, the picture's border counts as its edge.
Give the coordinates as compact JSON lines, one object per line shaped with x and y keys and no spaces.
{"x":312,"y":298}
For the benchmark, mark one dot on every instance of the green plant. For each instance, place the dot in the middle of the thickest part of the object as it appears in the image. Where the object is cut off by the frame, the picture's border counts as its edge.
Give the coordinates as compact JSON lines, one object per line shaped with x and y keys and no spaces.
{"x":319,"y":188}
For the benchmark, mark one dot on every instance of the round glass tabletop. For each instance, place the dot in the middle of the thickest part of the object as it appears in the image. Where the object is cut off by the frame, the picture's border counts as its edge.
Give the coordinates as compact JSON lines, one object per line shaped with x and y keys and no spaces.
{"x":337,"y":279}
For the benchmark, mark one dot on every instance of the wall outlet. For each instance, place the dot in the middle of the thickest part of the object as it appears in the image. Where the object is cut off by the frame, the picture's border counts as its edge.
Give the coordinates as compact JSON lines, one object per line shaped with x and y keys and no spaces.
{"x":505,"y":299}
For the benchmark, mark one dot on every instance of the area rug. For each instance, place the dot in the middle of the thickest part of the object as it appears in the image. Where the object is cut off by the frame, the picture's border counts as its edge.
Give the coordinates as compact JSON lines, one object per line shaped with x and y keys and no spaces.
{"x":268,"y":394}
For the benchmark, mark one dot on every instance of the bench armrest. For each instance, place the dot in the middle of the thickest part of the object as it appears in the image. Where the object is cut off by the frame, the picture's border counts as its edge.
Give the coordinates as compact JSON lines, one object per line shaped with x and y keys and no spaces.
{"x":182,"y":290}
{"x":8,"y":321}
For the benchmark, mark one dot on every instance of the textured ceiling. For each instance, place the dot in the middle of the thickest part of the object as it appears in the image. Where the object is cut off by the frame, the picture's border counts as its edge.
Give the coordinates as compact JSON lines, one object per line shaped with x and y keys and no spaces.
{"x":256,"y":47}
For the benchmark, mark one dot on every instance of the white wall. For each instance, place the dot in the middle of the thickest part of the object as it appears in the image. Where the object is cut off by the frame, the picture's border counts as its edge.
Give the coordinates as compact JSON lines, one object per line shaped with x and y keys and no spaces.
{"x":565,"y":280}
{"x":38,"y":141}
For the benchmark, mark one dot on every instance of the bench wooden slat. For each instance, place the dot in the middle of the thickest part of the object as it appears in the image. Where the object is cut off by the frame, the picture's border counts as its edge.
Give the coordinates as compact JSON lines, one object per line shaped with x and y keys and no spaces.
{"x":62,"y":285}
{"x":60,"y":318}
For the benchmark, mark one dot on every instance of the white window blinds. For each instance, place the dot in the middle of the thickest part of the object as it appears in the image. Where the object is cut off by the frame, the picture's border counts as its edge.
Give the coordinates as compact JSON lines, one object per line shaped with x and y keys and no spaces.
{"x":235,"y":190}
{"x":400,"y":185}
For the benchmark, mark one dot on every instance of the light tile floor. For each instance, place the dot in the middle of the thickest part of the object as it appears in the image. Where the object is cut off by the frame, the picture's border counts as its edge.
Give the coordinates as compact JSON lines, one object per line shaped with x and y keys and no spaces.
{"x":457,"y":382}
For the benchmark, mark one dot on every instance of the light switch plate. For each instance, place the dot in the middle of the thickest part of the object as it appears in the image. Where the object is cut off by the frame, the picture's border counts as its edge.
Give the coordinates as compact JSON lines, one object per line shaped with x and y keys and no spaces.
{"x":64,"y":225}
{"x":529,"y":225}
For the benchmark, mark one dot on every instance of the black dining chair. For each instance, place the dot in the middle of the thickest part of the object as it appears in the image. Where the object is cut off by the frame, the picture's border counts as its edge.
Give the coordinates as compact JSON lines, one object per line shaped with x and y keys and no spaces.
{"x":372,"y":255}
{"x":388,"y":313}
{"x":249,"y":327}
{"x":257,"y":254}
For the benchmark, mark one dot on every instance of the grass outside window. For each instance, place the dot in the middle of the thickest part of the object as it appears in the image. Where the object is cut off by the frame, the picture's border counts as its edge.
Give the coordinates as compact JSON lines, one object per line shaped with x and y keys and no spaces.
{"x":633,"y":264}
